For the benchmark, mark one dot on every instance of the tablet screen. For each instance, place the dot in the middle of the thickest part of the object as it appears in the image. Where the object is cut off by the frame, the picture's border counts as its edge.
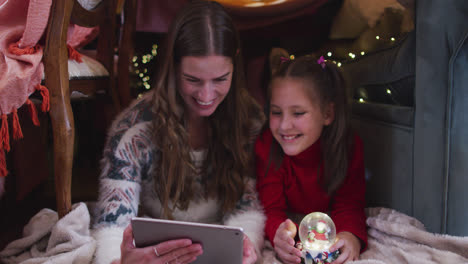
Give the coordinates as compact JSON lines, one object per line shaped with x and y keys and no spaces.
{"x":221,"y":244}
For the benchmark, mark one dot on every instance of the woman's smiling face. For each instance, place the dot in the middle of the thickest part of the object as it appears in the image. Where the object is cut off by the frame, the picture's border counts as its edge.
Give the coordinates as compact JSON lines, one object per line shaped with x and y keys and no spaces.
{"x":204,"y":82}
{"x":296,"y":118}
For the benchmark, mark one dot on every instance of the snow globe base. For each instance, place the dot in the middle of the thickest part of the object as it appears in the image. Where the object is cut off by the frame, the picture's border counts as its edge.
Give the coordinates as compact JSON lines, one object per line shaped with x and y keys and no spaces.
{"x":318,"y":257}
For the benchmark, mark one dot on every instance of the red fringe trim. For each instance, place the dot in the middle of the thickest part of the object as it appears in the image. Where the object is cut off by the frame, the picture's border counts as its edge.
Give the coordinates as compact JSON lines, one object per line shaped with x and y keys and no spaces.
{"x":73,"y":54}
{"x":17,"y":132}
{"x":15,"y":49}
{"x":33,"y":112}
{"x":4,"y":135}
{"x":3,"y":169}
{"x":45,"y":107}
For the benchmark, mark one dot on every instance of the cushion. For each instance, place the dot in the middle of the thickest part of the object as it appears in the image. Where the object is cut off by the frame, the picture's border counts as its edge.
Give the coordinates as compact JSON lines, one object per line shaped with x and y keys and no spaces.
{"x":87,"y":69}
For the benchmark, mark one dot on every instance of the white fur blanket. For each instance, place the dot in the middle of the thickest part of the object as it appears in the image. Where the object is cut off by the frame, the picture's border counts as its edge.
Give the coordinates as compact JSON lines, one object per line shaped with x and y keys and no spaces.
{"x":393,"y":238}
{"x":49,"y":240}
{"x":398,"y":238}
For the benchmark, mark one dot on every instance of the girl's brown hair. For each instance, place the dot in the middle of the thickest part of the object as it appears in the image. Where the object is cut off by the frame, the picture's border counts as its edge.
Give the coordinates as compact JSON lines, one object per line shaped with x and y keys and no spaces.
{"x":326,"y":83}
{"x":202,"y":28}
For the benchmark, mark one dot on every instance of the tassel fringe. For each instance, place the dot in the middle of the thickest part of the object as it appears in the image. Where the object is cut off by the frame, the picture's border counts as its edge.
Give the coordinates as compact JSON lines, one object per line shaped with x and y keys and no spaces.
{"x":17,"y":132}
{"x":73,"y":54}
{"x":45,"y":107}
{"x":3,"y":169}
{"x":4,"y":135}
{"x":16,"y":127}
{"x":15,"y":49}
{"x":33,"y":112}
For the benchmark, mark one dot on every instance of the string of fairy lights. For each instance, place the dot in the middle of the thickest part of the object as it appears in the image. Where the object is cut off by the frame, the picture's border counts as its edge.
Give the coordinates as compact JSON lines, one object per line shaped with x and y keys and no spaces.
{"x":355,"y":55}
{"x":142,"y":70}
{"x":143,"y":65}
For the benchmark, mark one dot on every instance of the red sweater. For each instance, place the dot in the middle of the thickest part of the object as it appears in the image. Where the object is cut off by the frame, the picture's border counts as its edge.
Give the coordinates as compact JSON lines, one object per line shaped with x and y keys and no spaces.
{"x":293,"y":188}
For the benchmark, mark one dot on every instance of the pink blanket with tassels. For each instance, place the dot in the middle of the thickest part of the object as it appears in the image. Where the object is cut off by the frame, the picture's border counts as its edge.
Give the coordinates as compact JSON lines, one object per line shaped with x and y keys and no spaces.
{"x":22,"y":23}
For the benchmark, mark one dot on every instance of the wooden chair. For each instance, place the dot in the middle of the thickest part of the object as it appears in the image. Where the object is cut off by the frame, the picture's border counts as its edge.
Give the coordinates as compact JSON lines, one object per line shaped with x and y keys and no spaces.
{"x":60,"y":85}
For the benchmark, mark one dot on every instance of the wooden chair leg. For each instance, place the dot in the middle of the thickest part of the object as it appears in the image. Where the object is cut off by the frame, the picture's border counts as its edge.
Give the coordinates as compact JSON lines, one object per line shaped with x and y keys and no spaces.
{"x":63,"y":129}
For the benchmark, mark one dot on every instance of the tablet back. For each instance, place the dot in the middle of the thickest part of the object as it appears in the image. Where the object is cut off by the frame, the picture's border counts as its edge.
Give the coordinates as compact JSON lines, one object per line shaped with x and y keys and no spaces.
{"x":221,"y":244}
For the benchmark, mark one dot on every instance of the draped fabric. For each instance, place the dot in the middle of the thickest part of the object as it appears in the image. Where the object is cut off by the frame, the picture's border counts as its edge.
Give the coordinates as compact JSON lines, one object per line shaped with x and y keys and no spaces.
{"x":22,"y":24}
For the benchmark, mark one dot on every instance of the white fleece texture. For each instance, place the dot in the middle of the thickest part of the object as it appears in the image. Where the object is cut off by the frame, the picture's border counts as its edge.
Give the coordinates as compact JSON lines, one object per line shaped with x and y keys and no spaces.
{"x":253,"y":224}
{"x":50,"y":240}
{"x":108,"y":244}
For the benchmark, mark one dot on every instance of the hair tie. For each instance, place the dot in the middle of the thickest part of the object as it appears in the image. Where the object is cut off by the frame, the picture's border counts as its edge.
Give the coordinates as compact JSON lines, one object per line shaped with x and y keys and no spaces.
{"x":321,"y":61}
{"x":284,"y":59}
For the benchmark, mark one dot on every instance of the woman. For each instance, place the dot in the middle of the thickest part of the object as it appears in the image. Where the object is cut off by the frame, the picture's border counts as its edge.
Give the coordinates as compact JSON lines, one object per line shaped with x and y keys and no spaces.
{"x":184,"y":151}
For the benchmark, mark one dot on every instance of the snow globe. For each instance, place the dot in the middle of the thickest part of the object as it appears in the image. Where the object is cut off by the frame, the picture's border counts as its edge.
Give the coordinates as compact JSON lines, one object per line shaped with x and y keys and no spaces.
{"x":317,"y":233}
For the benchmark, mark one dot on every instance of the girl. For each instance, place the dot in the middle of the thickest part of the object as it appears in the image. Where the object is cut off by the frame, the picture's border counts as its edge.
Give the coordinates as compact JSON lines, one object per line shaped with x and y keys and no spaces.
{"x":309,"y":160}
{"x":185,"y":150}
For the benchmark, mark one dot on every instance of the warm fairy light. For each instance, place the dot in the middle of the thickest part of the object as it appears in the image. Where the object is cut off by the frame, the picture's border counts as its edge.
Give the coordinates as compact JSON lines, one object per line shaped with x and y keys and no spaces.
{"x":339,"y":64}
{"x":377,"y":37}
{"x":154,"y":49}
{"x":389,"y":92}
{"x":141,"y":70}
{"x":361,"y":100}
{"x":352,"y":55}
{"x":363,"y":53}
{"x":392,"y":39}
{"x":292,"y":57}
{"x":329,"y":54}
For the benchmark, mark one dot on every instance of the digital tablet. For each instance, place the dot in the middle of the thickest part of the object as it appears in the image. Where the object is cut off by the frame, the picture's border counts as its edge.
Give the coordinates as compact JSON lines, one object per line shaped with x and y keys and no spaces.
{"x":221,"y":244}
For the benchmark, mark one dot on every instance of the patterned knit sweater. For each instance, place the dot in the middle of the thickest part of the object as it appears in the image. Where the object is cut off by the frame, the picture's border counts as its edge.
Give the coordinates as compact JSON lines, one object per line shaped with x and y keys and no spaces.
{"x":127,"y":180}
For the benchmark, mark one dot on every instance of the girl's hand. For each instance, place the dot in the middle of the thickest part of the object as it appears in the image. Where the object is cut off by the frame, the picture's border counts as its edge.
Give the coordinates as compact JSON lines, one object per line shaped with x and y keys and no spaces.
{"x":285,"y":244}
{"x":249,"y":256}
{"x":349,"y":246}
{"x":179,"y":251}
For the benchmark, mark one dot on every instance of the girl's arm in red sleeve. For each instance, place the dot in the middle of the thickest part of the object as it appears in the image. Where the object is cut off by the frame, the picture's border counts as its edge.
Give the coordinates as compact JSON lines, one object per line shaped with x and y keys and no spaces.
{"x":349,"y":201}
{"x":270,"y":187}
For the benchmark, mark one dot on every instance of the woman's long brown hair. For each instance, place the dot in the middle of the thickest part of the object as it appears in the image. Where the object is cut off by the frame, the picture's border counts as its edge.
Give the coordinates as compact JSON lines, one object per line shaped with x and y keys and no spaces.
{"x":326,"y":83}
{"x":202,"y":28}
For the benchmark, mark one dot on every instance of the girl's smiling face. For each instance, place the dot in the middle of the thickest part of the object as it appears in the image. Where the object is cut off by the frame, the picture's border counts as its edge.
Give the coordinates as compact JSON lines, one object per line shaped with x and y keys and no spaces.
{"x":204,"y":82}
{"x":296,"y":117}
